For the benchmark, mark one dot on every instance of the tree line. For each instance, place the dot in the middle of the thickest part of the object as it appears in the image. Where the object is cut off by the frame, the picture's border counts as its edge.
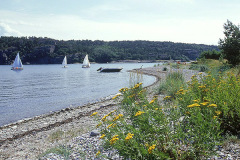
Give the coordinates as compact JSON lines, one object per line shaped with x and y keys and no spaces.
{"x":43,"y":50}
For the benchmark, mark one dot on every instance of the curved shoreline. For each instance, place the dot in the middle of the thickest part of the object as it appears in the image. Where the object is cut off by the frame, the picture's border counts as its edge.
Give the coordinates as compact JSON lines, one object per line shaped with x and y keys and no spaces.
{"x":40,"y":123}
{"x":29,"y":138}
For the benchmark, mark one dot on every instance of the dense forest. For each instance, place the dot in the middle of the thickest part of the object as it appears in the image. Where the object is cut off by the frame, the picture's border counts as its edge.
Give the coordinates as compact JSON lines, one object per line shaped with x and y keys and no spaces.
{"x":39,"y":50}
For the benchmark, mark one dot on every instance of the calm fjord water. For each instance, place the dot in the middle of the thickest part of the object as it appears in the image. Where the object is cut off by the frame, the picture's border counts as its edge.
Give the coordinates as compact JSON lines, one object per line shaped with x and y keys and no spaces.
{"x":39,"y":89}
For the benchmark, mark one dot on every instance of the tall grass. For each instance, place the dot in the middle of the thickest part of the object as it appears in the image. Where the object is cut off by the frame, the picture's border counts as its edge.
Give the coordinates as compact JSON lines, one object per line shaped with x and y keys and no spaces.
{"x":174,"y":81}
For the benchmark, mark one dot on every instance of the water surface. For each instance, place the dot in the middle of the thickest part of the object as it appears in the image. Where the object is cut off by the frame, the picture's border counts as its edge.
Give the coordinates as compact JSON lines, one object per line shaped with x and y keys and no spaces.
{"x":39,"y":89}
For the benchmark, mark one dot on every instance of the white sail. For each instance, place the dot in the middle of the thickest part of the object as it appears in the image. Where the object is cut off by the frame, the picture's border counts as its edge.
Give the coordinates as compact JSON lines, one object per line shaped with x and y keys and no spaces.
{"x":17,"y":64}
{"x":86,"y":63}
{"x":64,"y":63}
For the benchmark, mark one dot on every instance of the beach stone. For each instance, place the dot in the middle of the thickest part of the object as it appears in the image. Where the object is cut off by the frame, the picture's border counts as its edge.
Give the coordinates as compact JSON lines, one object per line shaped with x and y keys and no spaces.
{"x":14,"y":127}
{"x":94,"y":133}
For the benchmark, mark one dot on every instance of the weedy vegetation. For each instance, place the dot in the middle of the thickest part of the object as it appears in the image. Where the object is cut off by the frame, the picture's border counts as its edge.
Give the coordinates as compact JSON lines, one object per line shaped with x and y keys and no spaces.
{"x":189,"y":123}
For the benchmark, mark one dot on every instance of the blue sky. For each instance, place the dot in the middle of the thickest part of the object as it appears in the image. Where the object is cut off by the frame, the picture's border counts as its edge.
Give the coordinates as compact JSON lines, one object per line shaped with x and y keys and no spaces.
{"x":187,"y":21}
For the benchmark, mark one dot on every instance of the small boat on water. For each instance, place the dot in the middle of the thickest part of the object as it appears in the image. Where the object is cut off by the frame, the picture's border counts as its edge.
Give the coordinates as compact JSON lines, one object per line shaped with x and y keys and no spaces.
{"x":86,"y":63}
{"x":64,"y":63}
{"x":17,"y":64}
{"x":109,"y":69}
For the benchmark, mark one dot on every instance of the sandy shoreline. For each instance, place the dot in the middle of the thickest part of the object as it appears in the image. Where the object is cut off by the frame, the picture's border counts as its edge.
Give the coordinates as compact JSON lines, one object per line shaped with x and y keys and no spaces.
{"x":28,"y":138}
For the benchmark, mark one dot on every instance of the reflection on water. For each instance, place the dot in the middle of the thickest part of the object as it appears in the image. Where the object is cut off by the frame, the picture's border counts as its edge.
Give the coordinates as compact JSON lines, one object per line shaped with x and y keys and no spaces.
{"x":39,"y":89}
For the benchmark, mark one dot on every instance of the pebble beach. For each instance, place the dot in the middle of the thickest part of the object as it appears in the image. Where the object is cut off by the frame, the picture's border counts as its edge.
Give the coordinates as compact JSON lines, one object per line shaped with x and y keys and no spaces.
{"x":75,"y":131}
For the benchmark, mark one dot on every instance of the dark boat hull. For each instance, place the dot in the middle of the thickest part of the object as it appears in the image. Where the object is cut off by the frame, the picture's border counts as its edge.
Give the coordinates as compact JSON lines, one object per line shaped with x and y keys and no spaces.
{"x":111,"y":70}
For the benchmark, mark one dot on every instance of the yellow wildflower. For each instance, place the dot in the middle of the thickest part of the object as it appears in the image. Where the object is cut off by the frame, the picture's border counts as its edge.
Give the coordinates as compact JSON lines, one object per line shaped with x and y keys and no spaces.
{"x":218,"y":112}
{"x":204,"y":103}
{"x":212,"y":105}
{"x":94,"y":114}
{"x":181,"y":90}
{"x":214,"y":117}
{"x":123,"y":90}
{"x":114,"y":139}
{"x":97,"y":153}
{"x":196,"y":101}
{"x":129,"y":136}
{"x":104,"y":118}
{"x":151,"y":148}
{"x":156,"y":109}
{"x":193,"y":105}
{"x":115,"y":136}
{"x":179,"y":152}
{"x":199,"y":73}
{"x":109,"y":125}
{"x":152,"y":101}
{"x":102,"y":136}
{"x":202,"y":86}
{"x":139,"y":113}
{"x":116,"y":95}
{"x":167,"y":97}
{"x":117,"y":117}
{"x":187,"y":112}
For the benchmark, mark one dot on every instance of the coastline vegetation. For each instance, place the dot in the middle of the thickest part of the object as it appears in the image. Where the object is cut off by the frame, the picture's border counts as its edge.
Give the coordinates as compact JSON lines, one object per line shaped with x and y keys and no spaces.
{"x":190,"y":122}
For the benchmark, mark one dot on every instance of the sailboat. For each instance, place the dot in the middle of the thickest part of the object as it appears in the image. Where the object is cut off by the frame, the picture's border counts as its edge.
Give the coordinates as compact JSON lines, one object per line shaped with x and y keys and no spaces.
{"x":64,"y":63}
{"x":17,"y":64}
{"x":86,"y":63}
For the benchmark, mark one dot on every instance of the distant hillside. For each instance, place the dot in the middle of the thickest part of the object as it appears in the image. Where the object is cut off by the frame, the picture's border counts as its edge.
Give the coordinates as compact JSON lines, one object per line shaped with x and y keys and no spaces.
{"x":38,"y":50}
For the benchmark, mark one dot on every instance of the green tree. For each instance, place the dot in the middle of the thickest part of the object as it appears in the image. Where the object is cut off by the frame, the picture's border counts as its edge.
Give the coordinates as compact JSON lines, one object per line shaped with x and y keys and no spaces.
{"x":231,"y":43}
{"x":213,"y":54}
{"x":103,"y":54}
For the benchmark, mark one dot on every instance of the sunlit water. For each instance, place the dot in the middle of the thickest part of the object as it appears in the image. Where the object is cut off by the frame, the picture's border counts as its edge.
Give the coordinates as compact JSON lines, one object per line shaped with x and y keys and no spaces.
{"x":40,"y":89}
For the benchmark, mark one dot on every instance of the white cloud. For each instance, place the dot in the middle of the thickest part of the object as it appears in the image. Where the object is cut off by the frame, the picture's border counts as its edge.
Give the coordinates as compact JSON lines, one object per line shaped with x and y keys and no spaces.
{"x":6,"y":30}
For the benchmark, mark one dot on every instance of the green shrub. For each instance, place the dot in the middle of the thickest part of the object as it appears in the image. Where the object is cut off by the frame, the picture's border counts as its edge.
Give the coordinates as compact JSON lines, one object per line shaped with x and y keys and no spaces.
{"x":165,"y":69}
{"x":203,"y":68}
{"x":223,"y":91}
{"x":143,"y":129}
{"x":199,"y":67}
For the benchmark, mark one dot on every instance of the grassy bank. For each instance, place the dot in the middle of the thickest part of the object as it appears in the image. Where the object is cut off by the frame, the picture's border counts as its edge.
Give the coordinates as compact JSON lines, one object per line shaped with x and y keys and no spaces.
{"x":189,"y":123}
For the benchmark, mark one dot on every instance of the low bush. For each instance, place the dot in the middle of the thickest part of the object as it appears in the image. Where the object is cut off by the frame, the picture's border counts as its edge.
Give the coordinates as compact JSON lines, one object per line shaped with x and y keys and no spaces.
{"x":223,"y":91}
{"x":199,"y":67}
{"x":143,"y":129}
